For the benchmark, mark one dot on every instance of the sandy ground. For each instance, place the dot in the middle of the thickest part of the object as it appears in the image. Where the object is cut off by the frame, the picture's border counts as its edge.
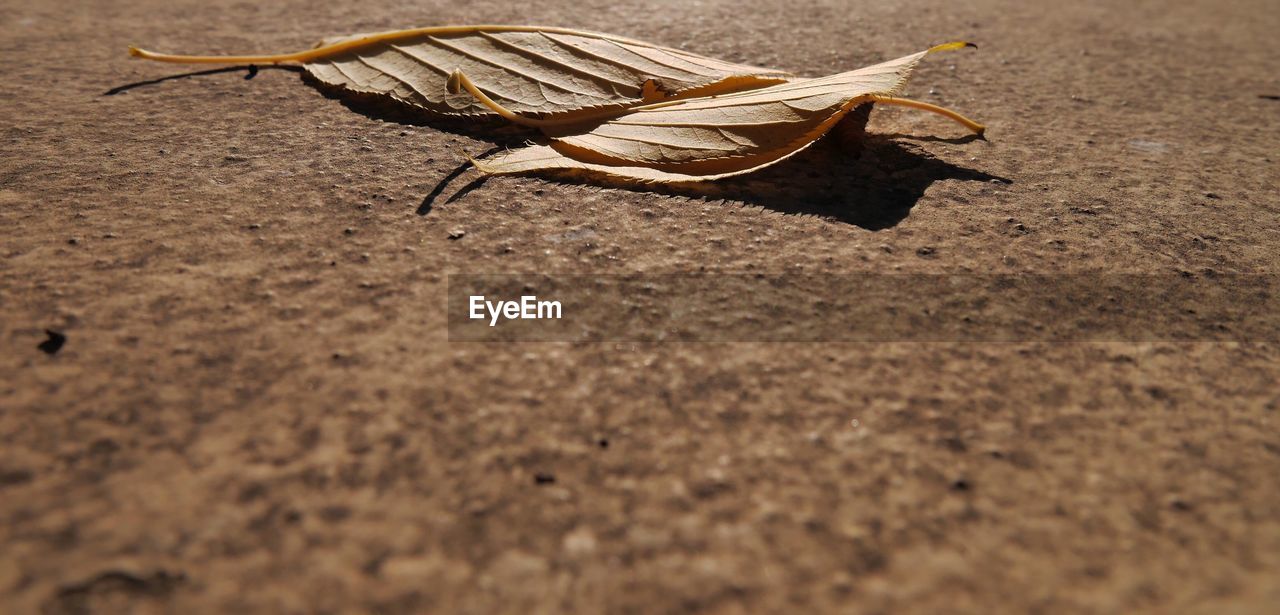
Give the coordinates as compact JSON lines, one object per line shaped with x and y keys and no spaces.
{"x":257,"y":408}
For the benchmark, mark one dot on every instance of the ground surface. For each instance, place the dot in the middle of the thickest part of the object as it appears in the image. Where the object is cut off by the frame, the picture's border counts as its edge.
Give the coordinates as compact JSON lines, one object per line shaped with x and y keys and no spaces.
{"x":257,"y":407}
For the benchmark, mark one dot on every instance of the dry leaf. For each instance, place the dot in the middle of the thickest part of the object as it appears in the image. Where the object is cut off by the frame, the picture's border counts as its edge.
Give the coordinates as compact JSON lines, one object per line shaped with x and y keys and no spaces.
{"x":547,"y":72}
{"x":715,"y":136}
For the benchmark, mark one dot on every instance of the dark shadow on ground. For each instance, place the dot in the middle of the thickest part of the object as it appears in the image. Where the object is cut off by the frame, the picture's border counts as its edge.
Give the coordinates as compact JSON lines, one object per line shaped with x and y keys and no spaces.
{"x":969,"y":138}
{"x":429,"y":201}
{"x":371,"y":106}
{"x":874,"y":189}
{"x":251,"y":71}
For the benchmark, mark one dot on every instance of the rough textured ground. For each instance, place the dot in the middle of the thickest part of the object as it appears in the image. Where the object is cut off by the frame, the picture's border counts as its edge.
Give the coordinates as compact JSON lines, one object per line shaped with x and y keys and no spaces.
{"x":257,"y":408}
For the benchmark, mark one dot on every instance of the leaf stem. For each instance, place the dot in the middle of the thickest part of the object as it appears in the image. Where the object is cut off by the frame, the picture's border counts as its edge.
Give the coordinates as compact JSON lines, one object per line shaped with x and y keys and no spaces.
{"x":356,"y":43}
{"x":301,"y":56}
{"x":977,"y":128}
{"x":332,"y":49}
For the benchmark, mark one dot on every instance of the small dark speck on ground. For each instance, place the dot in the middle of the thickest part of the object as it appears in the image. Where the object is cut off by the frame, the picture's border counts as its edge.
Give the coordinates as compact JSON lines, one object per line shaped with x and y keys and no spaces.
{"x":15,"y":477}
{"x":543,"y":478}
{"x":54,"y":342}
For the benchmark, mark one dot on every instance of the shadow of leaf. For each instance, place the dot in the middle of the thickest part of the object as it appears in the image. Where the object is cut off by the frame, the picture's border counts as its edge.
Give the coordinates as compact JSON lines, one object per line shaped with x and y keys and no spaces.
{"x":251,"y":72}
{"x":874,"y":190}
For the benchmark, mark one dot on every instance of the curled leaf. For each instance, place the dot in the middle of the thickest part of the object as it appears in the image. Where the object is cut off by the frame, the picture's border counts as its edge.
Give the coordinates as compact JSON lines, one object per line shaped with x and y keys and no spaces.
{"x":717,"y":136}
{"x":546,"y":72}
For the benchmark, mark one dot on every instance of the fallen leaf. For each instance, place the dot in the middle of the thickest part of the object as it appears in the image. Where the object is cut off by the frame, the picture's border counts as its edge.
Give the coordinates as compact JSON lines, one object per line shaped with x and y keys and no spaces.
{"x":714,"y":136}
{"x":547,"y":72}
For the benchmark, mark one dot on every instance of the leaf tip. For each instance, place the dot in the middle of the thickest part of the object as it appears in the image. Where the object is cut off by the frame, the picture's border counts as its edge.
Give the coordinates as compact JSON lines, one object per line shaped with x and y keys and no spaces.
{"x":484,"y":169}
{"x":951,"y":46}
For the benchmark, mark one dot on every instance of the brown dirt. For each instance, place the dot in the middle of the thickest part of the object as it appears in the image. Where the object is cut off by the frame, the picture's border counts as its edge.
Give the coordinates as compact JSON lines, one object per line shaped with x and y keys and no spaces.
{"x":257,"y":407}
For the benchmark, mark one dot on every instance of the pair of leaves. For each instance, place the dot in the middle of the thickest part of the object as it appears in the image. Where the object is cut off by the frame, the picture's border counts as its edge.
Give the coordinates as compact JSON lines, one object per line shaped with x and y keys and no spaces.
{"x":606,"y":104}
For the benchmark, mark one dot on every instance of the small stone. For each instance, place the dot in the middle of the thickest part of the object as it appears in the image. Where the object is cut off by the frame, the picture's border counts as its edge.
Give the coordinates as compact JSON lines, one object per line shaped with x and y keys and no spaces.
{"x":457,"y":233}
{"x":53,"y":343}
{"x":580,"y":543}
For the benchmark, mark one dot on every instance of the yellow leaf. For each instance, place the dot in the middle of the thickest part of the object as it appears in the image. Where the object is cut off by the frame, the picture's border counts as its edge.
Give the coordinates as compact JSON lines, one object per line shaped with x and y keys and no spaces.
{"x":716,"y":136}
{"x":545,"y":72}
